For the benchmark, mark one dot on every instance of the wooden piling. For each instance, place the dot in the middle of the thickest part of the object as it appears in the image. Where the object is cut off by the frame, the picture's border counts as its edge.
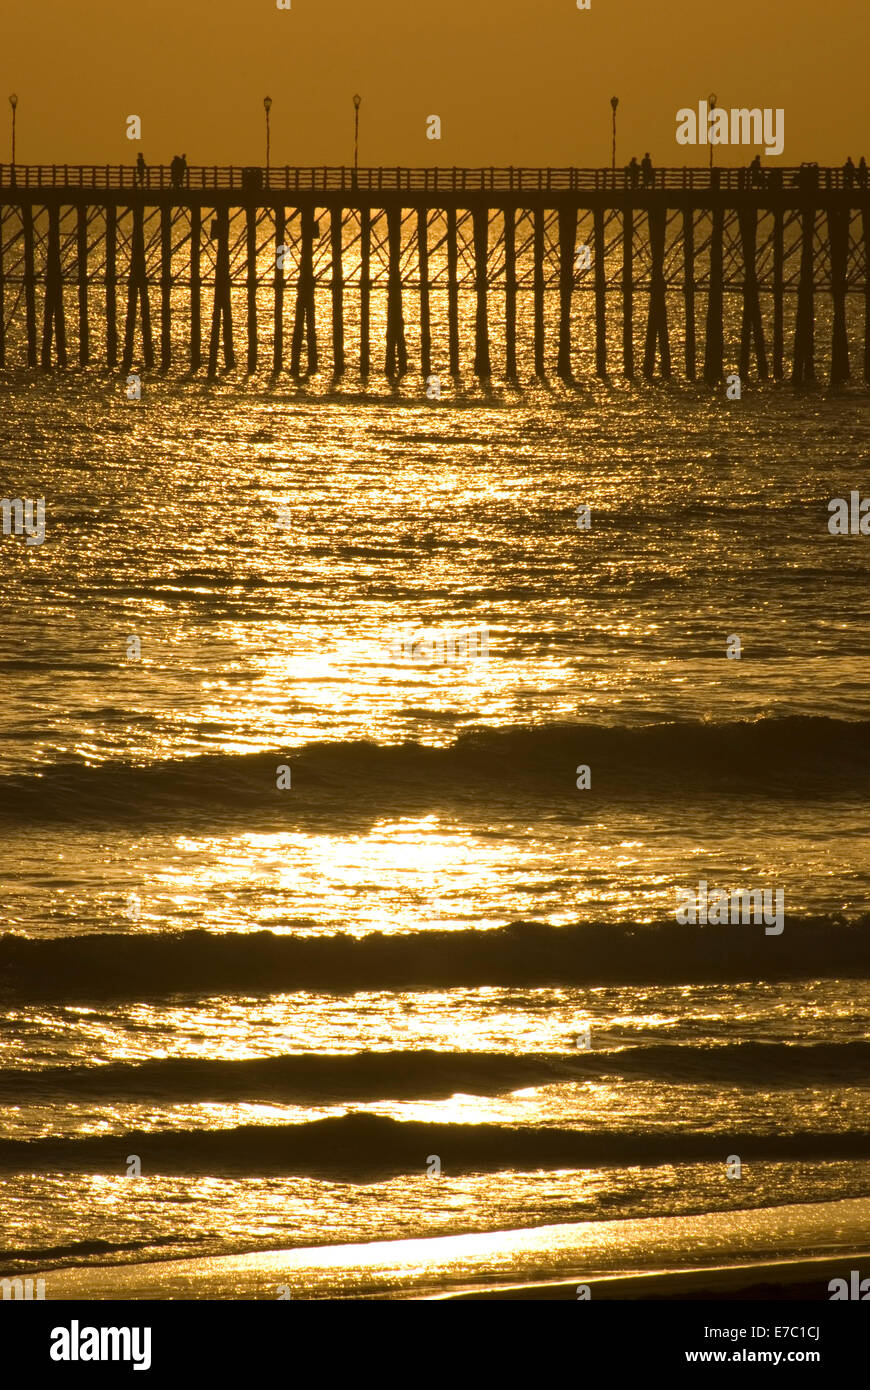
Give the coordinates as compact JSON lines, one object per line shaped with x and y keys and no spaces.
{"x":838,"y":235}
{"x":567,"y":261}
{"x":165,"y":287}
{"x":538,"y":289}
{"x":600,"y":295}
{"x":510,"y":293}
{"x":657,"y":317}
{"x":82,"y":281}
{"x":59,"y":314}
{"x":751,"y":327}
{"x":480,"y":218}
{"x":628,"y":293}
{"x":714,"y":338}
{"x":111,"y":285}
{"x":365,"y":287}
{"x":299,"y":308}
{"x":221,"y":318}
{"x":337,"y":287}
{"x":311,"y":322}
{"x":278,"y":281}
{"x":303,"y":323}
{"x":29,"y":282}
{"x":137,"y":292}
{"x":397,"y":352}
{"x":53,"y":323}
{"x":50,"y":280}
{"x":425,"y":323}
{"x":452,"y":292}
{"x":251,"y":285}
{"x":195,"y":287}
{"x":803,"y":363}
{"x":778,"y":291}
{"x":689,"y":292}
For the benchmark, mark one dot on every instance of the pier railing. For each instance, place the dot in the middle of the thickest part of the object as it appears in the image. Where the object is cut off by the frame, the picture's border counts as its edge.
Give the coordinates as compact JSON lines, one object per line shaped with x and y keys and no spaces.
{"x":344,"y":179}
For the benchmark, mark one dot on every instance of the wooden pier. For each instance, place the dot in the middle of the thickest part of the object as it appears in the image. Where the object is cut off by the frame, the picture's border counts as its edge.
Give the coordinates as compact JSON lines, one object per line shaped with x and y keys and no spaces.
{"x":190,"y":267}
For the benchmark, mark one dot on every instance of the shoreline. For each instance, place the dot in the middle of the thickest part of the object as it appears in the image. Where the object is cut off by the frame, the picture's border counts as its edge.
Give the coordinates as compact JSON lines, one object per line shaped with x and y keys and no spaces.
{"x":717,"y":1254}
{"x":803,"y":1280}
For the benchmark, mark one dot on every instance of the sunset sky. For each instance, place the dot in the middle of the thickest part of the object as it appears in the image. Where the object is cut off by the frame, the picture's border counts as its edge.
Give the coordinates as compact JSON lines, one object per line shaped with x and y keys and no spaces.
{"x":514,"y":81}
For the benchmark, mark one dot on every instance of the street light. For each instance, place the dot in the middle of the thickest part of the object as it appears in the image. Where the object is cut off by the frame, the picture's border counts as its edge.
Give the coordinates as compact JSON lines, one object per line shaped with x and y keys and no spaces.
{"x":267,"y":104}
{"x":356,"y":104}
{"x":614,"y":102}
{"x":13,"y":102}
{"x":712,"y":101}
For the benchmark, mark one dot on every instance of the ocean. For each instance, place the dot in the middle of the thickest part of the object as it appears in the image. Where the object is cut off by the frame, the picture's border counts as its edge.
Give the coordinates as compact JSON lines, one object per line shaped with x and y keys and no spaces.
{"x":308,"y":934}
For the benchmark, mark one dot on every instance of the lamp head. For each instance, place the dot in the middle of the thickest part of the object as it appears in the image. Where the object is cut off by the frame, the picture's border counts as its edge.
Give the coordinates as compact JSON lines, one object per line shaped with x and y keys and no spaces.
{"x":267,"y":102}
{"x":13,"y":101}
{"x":356,"y":102}
{"x":614,"y":102}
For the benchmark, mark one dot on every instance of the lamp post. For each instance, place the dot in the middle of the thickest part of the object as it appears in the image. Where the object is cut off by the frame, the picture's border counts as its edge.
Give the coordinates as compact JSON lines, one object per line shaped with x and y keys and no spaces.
{"x":614,"y":102}
{"x":356,"y":105}
{"x":13,"y":102}
{"x":712,"y":101}
{"x":267,"y":106}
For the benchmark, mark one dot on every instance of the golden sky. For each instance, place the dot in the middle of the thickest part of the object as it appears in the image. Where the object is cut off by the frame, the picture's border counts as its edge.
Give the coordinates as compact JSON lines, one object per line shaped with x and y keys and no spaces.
{"x":513,"y":81}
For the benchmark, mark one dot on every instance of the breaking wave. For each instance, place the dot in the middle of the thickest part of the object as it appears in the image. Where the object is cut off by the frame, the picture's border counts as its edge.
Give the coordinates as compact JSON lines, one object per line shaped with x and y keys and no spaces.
{"x":142,"y":965}
{"x":795,"y":756}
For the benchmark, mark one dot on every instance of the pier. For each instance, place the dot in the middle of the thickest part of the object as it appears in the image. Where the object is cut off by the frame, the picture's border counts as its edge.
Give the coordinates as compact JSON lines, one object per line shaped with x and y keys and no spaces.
{"x":699,"y":273}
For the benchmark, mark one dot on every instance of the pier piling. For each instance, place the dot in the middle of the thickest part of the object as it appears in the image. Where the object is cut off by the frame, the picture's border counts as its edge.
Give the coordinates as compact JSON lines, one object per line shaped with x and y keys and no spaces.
{"x":82,"y":278}
{"x":482,"y":365}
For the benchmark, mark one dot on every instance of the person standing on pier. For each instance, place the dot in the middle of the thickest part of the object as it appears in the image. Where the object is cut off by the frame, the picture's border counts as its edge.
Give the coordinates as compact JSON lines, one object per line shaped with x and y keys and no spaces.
{"x":849,"y":173}
{"x":646,"y":169}
{"x":862,"y":172}
{"x":633,"y":172}
{"x":140,"y":169}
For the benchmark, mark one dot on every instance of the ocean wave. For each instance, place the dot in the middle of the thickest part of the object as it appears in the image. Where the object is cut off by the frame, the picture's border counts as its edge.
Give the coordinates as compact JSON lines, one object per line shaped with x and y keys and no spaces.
{"x":798,"y":756}
{"x":403,"y":1074}
{"x":75,"y":1251}
{"x":144,"y":965}
{"x":365,"y":1147}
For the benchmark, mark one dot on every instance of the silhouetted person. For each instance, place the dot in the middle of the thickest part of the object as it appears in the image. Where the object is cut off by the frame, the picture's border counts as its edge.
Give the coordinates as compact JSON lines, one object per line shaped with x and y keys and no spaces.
{"x":849,"y":173}
{"x":756,"y":173}
{"x":183,"y":179}
{"x":862,"y":172}
{"x":175,"y":171}
{"x":140,"y":169}
{"x":633,"y":172}
{"x":646,"y":169}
